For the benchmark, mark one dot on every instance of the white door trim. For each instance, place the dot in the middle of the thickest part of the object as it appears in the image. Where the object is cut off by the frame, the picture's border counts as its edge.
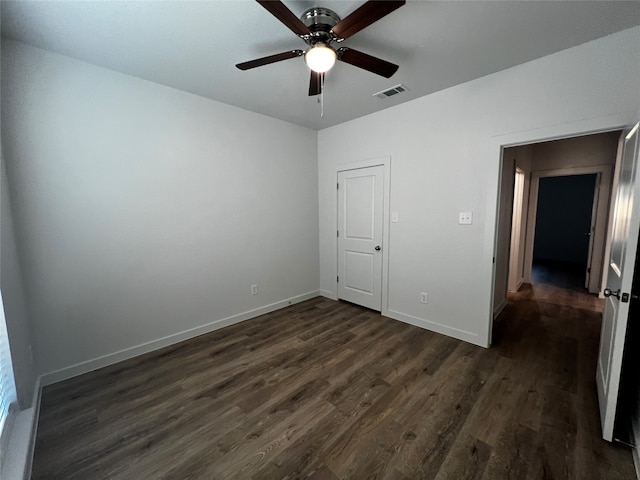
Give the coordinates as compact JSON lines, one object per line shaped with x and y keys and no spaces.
{"x":602,"y":211}
{"x":374,"y":162}
{"x":515,"y":276}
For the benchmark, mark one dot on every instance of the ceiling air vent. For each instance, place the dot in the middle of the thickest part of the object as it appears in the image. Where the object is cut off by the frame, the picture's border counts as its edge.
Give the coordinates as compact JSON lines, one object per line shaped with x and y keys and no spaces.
{"x":390,"y":92}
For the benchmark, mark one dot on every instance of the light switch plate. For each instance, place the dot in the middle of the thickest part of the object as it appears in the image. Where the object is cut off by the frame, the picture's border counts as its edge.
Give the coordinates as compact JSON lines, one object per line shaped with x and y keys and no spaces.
{"x":465,"y":218}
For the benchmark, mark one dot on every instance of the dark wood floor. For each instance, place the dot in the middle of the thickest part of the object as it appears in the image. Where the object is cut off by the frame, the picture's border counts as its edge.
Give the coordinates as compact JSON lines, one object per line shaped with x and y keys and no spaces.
{"x":330,"y":390}
{"x":567,"y":275}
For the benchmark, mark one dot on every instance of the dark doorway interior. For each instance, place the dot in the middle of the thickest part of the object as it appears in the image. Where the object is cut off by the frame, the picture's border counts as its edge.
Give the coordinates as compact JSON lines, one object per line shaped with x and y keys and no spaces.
{"x":563,"y":224}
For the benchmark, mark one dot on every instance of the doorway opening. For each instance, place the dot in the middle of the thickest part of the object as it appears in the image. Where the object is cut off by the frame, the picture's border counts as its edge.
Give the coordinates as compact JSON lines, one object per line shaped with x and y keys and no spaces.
{"x":563,"y":237}
{"x":526,"y":169}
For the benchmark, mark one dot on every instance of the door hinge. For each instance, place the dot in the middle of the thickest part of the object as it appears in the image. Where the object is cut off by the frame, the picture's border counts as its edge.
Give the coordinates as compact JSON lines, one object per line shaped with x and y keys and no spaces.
{"x":588,"y":269}
{"x":337,"y":186}
{"x":337,"y":279}
{"x":338,"y":233}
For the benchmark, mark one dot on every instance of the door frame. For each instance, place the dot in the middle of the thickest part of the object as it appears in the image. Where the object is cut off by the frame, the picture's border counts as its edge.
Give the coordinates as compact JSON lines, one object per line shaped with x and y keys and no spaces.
{"x":385,"y":162}
{"x":515,"y":275}
{"x":603,"y":198}
{"x":518,"y":139}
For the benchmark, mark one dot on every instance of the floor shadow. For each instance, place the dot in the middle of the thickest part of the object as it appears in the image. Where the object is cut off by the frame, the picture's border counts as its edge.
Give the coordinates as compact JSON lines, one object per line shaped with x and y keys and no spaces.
{"x":567,"y":275}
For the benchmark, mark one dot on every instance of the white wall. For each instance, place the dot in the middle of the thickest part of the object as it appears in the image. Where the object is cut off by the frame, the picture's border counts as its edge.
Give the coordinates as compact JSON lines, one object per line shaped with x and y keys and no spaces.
{"x":14,"y":301}
{"x":145,"y":213}
{"x":445,"y":151}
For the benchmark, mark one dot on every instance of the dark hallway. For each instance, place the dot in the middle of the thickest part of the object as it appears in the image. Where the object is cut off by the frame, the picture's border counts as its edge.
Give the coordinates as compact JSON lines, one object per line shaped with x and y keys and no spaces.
{"x":563,"y":231}
{"x":567,"y":275}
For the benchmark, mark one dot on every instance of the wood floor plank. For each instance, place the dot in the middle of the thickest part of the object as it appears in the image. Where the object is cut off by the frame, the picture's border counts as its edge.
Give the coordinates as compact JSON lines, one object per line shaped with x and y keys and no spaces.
{"x":242,"y":443}
{"x":252,"y":456}
{"x":301,"y":459}
{"x":496,"y":403}
{"x":330,"y":390}
{"x":445,"y":416}
{"x":516,"y":456}
{"x":342,"y":453}
{"x":475,"y":454}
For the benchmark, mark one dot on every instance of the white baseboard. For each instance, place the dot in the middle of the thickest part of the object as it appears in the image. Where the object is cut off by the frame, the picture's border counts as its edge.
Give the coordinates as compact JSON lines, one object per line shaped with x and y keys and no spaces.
{"x":329,"y":294}
{"x":519,"y":284}
{"x":110,"y":359}
{"x":463,"y":335}
{"x":19,"y":457}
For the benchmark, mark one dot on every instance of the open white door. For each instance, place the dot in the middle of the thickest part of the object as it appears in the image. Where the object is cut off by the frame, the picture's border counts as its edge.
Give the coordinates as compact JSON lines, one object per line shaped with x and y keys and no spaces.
{"x":360,"y":216}
{"x":624,"y":243}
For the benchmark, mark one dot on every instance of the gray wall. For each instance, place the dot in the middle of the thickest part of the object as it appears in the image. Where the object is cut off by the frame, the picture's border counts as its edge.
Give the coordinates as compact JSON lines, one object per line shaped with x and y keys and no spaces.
{"x":14,"y":300}
{"x":583,"y":151}
{"x":144,"y":213}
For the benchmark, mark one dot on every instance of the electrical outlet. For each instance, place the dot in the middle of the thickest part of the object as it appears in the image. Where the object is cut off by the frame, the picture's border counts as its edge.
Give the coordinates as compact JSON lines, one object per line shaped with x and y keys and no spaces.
{"x":465,"y":218}
{"x":254,"y":289}
{"x":423,"y":297}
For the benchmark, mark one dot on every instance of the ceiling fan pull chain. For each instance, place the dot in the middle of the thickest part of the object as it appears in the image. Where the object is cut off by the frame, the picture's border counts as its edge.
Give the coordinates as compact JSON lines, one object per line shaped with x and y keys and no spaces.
{"x":322,"y":95}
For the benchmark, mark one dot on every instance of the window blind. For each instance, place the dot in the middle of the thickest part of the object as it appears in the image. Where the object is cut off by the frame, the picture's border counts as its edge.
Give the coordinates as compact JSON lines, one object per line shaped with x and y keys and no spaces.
{"x":7,"y":382}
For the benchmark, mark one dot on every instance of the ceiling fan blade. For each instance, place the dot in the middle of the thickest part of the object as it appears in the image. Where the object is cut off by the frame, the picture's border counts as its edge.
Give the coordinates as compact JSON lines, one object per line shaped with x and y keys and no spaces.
{"x":367,"y":62}
{"x":286,"y":16}
{"x":315,"y":83}
{"x":370,"y":12}
{"x":278,"y":57}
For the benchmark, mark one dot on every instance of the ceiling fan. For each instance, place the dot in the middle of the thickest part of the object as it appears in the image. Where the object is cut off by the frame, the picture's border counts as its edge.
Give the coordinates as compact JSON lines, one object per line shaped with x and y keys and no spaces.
{"x":320,"y":28}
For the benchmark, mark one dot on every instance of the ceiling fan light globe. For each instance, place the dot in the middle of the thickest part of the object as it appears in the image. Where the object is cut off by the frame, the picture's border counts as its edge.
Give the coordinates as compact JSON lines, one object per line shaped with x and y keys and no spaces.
{"x":320,"y":58}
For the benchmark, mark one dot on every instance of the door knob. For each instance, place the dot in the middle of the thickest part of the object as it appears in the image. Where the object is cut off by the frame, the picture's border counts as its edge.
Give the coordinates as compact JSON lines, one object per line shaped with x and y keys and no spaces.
{"x":607,"y":292}
{"x":377,"y":248}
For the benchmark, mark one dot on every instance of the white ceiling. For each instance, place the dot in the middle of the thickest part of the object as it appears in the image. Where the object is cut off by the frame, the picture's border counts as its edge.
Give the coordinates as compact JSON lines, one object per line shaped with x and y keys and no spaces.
{"x":194,"y":46}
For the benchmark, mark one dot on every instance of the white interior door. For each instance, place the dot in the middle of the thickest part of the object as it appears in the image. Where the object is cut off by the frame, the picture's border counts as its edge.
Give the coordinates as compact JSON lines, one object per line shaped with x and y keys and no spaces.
{"x":624,"y":242}
{"x":360,"y":217}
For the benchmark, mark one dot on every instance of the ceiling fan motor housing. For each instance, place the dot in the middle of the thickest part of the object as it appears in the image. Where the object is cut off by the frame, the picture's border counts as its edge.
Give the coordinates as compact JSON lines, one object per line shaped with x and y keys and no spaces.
{"x":320,"y":21}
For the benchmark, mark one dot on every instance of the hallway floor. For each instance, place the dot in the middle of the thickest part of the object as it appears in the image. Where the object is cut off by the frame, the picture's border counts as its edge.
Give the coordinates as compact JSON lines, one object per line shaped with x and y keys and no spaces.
{"x":567,"y":275}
